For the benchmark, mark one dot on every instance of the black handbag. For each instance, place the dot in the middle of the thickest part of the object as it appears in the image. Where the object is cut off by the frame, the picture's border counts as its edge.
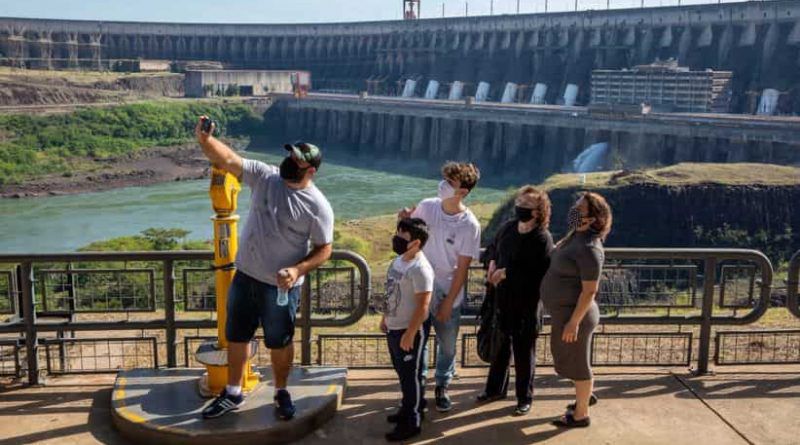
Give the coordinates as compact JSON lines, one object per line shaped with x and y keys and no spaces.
{"x":490,"y":336}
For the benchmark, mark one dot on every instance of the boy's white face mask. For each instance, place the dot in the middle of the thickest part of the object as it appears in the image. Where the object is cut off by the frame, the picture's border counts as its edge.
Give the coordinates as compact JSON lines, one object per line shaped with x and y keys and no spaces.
{"x":446,"y":191}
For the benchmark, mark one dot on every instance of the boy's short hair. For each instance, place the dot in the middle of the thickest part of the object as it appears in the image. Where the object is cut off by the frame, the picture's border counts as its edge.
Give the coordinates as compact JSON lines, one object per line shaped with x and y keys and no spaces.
{"x":415,"y":227}
{"x":466,"y":173}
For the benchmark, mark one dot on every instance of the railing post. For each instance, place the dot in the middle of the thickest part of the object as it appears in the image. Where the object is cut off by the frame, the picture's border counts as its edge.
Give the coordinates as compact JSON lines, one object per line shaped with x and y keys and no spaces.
{"x":72,"y":304}
{"x":29,"y":311}
{"x":793,"y":285}
{"x":169,"y":311}
{"x":305,"y":327}
{"x":319,"y":352}
{"x":17,"y":297}
{"x":709,"y":280}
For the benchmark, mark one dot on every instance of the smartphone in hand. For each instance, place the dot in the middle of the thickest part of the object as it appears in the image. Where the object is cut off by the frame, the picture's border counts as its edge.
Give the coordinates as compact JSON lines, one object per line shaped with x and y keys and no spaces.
{"x":208,"y":125}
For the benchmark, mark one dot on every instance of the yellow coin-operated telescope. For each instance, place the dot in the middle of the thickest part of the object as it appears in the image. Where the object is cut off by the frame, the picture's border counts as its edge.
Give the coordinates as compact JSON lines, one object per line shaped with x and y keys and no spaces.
{"x":224,"y":192}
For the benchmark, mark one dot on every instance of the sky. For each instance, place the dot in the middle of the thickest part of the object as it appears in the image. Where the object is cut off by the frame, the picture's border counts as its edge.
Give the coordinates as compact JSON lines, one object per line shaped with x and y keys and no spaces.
{"x":291,"y":11}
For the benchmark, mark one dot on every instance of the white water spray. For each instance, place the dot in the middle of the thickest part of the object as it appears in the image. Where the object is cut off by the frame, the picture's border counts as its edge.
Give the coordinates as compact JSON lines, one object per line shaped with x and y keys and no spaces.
{"x":591,"y":159}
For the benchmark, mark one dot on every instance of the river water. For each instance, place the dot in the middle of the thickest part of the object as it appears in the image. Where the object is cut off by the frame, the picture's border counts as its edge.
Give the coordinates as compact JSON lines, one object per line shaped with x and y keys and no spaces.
{"x":65,"y":223}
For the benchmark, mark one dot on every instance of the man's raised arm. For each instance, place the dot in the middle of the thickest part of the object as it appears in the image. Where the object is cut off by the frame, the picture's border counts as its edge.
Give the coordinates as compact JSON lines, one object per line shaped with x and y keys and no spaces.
{"x":220,"y":155}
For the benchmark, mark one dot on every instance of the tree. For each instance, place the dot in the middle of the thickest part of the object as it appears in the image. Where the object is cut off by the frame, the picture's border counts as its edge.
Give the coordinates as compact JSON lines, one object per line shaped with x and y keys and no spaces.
{"x":164,"y":239}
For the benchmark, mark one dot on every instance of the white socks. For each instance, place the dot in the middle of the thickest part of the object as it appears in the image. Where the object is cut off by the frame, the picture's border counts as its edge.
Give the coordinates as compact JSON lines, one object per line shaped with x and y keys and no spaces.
{"x":237,"y":390}
{"x":233,"y":390}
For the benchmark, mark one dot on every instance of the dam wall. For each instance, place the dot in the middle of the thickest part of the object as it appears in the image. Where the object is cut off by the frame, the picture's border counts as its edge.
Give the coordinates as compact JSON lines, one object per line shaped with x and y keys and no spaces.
{"x":535,"y":141}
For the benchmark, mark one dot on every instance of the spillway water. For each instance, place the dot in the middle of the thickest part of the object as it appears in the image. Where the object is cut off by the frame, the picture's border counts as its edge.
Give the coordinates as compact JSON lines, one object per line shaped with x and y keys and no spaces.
{"x":591,"y":159}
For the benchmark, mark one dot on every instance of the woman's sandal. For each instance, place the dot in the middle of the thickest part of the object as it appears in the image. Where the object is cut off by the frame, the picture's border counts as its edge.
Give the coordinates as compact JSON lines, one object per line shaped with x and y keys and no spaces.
{"x":592,"y":402}
{"x":569,"y":421}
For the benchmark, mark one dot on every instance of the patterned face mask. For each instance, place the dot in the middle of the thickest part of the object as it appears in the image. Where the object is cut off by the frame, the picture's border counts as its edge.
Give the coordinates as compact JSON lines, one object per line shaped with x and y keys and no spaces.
{"x":574,"y":219}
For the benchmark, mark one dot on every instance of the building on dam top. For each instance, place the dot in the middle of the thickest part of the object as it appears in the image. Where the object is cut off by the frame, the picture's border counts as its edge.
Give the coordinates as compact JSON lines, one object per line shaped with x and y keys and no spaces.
{"x":206,"y":83}
{"x":665,"y":87}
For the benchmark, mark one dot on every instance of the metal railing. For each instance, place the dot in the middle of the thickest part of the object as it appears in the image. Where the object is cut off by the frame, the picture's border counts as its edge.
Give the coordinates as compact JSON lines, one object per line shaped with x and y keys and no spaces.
{"x":159,"y":294}
{"x":704,"y":266}
{"x":793,"y":285}
{"x":36,"y":312}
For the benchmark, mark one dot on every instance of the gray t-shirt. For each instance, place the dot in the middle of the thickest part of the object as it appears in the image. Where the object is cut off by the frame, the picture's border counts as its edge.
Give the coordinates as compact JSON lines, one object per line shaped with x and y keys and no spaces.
{"x":281,"y":223}
{"x":579,"y":259}
{"x":404,"y":280}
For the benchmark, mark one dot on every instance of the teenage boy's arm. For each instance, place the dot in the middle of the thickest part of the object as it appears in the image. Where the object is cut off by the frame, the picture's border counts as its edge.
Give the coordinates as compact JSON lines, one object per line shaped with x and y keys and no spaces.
{"x":459,"y":278}
{"x":420,"y":314}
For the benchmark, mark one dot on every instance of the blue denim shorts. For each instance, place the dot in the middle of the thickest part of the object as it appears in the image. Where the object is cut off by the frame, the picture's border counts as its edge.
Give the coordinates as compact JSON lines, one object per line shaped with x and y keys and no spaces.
{"x":252,"y":302}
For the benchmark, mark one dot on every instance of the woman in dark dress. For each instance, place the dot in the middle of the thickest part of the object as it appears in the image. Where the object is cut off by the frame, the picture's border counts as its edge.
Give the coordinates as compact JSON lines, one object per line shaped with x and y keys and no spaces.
{"x":518,"y":259}
{"x":568,"y":294}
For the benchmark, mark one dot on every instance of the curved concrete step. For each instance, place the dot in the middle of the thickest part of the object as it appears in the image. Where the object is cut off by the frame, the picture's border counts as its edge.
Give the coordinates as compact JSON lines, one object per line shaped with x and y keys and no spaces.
{"x":163,"y":406}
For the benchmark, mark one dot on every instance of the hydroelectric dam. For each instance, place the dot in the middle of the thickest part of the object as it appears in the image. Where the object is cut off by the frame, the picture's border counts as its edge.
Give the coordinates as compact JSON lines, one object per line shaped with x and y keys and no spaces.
{"x":758,"y":41}
{"x":530,"y":76}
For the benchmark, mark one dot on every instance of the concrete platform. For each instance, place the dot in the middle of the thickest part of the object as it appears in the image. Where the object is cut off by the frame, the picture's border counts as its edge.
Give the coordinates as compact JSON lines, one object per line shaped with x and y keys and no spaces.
{"x":163,"y":406}
{"x":762,"y":406}
{"x":738,"y":405}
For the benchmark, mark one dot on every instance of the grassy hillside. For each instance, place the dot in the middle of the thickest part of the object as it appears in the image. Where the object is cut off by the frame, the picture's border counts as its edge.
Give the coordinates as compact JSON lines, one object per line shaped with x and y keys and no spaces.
{"x":682,"y":175}
{"x":32,"y":146}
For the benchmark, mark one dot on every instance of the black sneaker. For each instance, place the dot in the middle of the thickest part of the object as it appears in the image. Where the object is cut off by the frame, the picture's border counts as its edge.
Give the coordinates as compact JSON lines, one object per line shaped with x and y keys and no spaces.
{"x":284,"y":408}
{"x":489,"y":398}
{"x":443,"y":403}
{"x":222,"y":404}
{"x":522,"y":409}
{"x":403,"y":432}
{"x":395,"y":418}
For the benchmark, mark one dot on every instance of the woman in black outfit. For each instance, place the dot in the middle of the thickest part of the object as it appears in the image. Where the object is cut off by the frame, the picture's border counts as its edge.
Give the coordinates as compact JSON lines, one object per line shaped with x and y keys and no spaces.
{"x":518,"y":259}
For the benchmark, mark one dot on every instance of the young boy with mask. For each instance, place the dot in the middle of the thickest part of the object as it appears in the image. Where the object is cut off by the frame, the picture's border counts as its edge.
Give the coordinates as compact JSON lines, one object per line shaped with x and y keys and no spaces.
{"x":455,"y":240}
{"x":409,"y":284}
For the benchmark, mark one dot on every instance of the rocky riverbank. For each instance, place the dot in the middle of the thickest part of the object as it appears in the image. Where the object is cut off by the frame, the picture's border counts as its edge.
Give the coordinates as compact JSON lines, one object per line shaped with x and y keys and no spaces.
{"x":688,"y":205}
{"x":144,"y":167}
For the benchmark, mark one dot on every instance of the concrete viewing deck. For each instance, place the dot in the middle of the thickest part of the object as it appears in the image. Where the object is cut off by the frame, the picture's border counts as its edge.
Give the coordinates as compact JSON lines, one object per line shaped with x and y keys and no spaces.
{"x":743,"y":405}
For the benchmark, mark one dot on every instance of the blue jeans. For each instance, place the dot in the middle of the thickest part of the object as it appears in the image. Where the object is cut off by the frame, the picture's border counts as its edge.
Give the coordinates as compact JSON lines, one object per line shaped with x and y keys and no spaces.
{"x":446,"y":337}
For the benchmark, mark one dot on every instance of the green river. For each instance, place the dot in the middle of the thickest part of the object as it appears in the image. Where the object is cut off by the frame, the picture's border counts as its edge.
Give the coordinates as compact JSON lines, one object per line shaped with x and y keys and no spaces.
{"x":65,"y":223}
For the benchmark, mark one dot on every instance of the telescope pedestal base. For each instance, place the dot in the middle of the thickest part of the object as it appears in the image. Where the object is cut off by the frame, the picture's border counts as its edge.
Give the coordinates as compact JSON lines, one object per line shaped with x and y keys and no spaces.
{"x":215,"y":360}
{"x":163,"y":406}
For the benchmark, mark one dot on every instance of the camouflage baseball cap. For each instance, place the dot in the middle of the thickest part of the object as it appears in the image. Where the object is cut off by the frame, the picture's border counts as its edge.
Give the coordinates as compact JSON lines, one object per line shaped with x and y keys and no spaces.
{"x":305,"y":152}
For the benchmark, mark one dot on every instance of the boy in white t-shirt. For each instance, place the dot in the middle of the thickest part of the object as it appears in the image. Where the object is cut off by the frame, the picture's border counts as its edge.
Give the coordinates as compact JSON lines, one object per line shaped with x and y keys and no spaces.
{"x":409,"y":284}
{"x":454,"y":241}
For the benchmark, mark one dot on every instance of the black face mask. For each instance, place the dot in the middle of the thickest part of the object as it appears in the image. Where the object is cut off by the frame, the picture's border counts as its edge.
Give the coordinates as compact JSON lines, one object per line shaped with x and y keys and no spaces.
{"x":399,"y":244}
{"x":523,"y":214}
{"x":290,"y":171}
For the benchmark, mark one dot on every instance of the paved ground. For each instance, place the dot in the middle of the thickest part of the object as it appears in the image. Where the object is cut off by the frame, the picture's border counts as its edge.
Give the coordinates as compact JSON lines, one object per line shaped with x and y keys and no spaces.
{"x":735,"y":406}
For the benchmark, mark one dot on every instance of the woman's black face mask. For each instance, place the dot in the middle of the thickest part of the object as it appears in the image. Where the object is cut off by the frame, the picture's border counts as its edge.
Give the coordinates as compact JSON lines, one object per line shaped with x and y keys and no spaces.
{"x":290,"y":171}
{"x":523,"y":214}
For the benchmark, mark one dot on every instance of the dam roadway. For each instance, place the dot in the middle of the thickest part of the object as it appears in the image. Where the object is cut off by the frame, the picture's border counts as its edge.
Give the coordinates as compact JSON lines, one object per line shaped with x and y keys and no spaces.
{"x":544,"y":137}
